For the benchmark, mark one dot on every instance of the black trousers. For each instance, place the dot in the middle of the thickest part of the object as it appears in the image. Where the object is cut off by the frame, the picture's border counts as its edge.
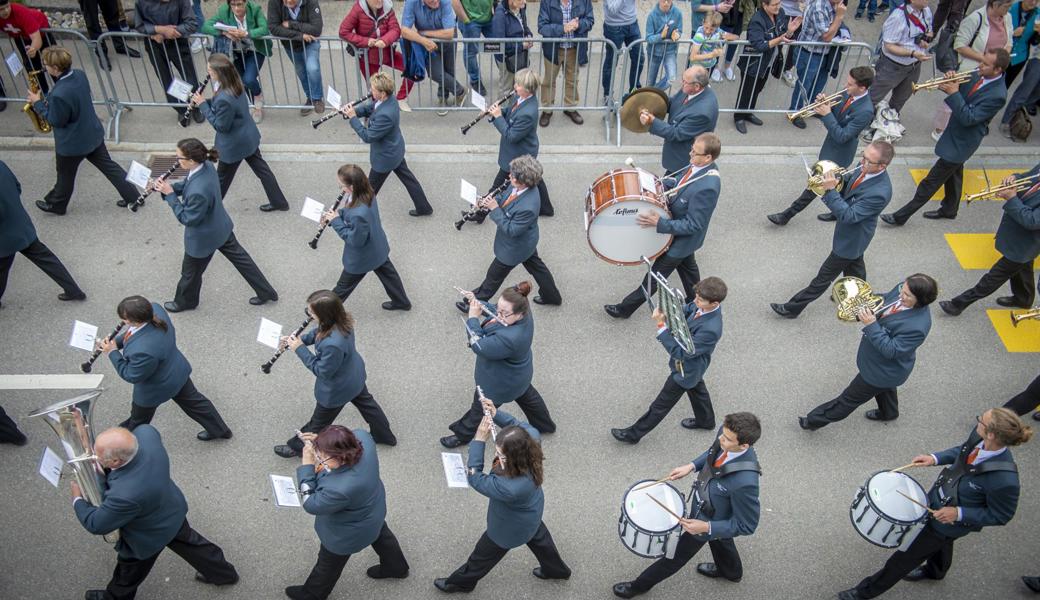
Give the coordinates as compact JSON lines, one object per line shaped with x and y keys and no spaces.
{"x":408,"y":180}
{"x":800,"y":203}
{"x":370,"y":411}
{"x":700,"y":401}
{"x":1020,"y":275}
{"x":486,"y":554}
{"x":932,"y":548}
{"x":109,"y":12}
{"x":205,"y":556}
{"x":387,"y":275}
{"x":944,"y":174}
{"x":851,"y":398}
{"x":9,"y":432}
{"x":832,"y":267}
{"x":192,"y":402}
{"x":42,"y":257}
{"x":723,"y":552}
{"x":747,"y":95}
{"x":190,"y":284}
{"x":1027,"y":400}
{"x":689,"y":275}
{"x":546,"y":208}
{"x":68,"y":166}
{"x":327,"y":570}
{"x":531,"y":402}
{"x":226,"y":173}
{"x":35,"y":63}
{"x":178,"y":52}
{"x":498,"y":271}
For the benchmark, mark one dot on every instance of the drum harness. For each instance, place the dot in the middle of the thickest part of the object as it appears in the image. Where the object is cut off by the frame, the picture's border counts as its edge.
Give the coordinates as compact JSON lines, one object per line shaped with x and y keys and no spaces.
{"x":700,"y":504}
{"x":947,"y":482}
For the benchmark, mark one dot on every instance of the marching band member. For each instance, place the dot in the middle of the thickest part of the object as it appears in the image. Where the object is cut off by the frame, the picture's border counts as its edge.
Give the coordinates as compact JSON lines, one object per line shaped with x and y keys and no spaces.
{"x":1027,"y":400}
{"x":887,"y":351}
{"x":9,"y":432}
{"x":725,"y":505}
{"x":515,"y":503}
{"x":197,"y":203}
{"x":978,"y":489}
{"x":856,"y":209}
{"x":691,"y":211}
{"x":148,"y":509}
{"x":146,"y":355}
{"x":238,"y":137}
{"x":974,"y":103}
{"x":850,"y":116}
{"x":692,"y":110}
{"x":339,"y":372}
{"x":386,"y":144}
{"x":340,"y":484}
{"x":704,"y":318}
{"x":504,"y":366}
{"x":1018,"y":241}
{"x":515,"y":213}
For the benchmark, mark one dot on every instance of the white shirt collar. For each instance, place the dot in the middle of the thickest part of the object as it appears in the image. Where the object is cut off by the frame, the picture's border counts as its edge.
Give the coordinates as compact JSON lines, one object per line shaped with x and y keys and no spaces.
{"x":194,"y":171}
{"x":732,"y":455}
{"x":376,"y":105}
{"x":692,"y":96}
{"x":707,"y":312}
{"x":854,"y":98}
{"x":986,"y":454}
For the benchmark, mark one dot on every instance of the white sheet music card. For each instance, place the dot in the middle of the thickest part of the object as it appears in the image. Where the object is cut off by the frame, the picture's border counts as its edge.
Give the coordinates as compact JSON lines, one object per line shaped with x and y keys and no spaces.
{"x":180,"y":89}
{"x":50,"y":466}
{"x":647,"y":181}
{"x":83,"y":335}
{"x":454,"y":470}
{"x":332,"y":98}
{"x":477,"y":100}
{"x":312,"y":209}
{"x":138,"y":174}
{"x":223,"y":27}
{"x":468,"y":192}
{"x":269,"y":334}
{"x":285,"y":493}
{"x":14,"y":63}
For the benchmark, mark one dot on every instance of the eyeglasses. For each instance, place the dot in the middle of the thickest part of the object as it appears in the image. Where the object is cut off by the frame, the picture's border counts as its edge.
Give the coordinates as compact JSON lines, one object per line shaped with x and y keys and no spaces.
{"x":182,"y":158}
{"x":871,"y":162}
{"x":505,"y":314}
{"x":689,"y":82}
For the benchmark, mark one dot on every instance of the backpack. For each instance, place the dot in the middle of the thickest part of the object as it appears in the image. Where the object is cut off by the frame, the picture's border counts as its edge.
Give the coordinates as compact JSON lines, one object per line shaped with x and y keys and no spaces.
{"x":1020,"y":126}
{"x":946,"y":58}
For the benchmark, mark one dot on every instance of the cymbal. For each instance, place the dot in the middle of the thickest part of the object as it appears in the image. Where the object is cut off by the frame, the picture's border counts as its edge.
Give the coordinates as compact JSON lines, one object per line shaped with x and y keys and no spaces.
{"x":649,"y":98}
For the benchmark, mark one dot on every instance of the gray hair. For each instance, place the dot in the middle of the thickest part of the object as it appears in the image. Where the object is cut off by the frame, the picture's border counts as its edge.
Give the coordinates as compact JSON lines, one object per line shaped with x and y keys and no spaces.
{"x":700,"y":76}
{"x":528,"y":79}
{"x":526,"y":169}
{"x":123,"y":454}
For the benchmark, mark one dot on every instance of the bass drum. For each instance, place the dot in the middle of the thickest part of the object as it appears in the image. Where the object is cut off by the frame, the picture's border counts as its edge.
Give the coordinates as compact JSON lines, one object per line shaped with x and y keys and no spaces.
{"x":611,"y":206}
{"x":882,"y":510}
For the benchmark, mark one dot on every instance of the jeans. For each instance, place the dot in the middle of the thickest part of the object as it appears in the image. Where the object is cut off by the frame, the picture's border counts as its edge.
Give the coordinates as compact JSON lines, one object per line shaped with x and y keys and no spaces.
{"x":308,"y":69}
{"x":811,"y":78}
{"x":196,"y":7}
{"x":656,"y":62}
{"x":474,"y":30}
{"x":1028,"y":92}
{"x":870,"y":5}
{"x":620,"y":35}
{"x":248,"y":65}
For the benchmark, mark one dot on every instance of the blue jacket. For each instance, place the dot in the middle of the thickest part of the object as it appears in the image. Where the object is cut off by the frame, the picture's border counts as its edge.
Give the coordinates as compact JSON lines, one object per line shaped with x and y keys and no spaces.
{"x":843,"y":129}
{"x":1018,"y":236}
{"x":77,"y":131}
{"x":706,"y":331}
{"x":140,"y":500}
{"x":365,"y":247}
{"x":888,"y":348}
{"x":857,"y":213}
{"x":519,"y":129}
{"x":16,"y":228}
{"x":516,"y":236}
{"x":969,"y":122}
{"x":201,"y":210}
{"x":685,"y":122}
{"x":338,"y":368}
{"x":756,"y":58}
{"x":734,"y":498}
{"x":550,"y":25}
{"x":505,"y":25}
{"x":691,"y":212}
{"x":504,"y":366}
{"x":151,"y":361}
{"x":1020,"y":45}
{"x":348,"y":503}
{"x":655,"y":22}
{"x":515,"y":504}
{"x":383,"y":133}
{"x":237,"y":134}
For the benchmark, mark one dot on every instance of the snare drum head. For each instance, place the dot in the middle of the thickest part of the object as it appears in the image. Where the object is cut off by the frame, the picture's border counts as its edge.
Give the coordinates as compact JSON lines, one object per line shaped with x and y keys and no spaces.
{"x":615,"y":236}
{"x":645,"y":514}
{"x":883,"y":493}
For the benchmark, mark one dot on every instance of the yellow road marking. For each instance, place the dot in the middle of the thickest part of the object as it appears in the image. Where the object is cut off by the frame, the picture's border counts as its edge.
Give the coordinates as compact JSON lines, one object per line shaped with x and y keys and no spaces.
{"x":1024,"y":338}
{"x":974,"y":180}
{"x":975,"y":250}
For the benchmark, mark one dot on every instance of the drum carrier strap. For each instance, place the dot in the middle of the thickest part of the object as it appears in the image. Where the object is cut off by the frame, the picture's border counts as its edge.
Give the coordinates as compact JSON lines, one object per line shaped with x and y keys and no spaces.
{"x":949,"y":479}
{"x":700,"y":503}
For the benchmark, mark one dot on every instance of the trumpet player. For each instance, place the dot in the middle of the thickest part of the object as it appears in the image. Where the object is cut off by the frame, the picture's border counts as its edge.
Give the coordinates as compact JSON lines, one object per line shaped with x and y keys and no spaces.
{"x":974,"y":103}
{"x":844,"y":117}
{"x":856,"y":208}
{"x":1018,"y":241}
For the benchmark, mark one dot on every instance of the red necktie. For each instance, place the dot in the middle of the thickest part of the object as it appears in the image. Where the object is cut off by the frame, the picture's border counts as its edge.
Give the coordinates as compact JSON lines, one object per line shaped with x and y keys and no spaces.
{"x":894,"y":309}
{"x":973,"y":455}
{"x":858,"y":181}
{"x":721,"y":459}
{"x":976,"y":87}
{"x":685,"y":100}
{"x":126,"y":338}
{"x":511,"y":197}
{"x":686,"y":177}
{"x":848,"y":103}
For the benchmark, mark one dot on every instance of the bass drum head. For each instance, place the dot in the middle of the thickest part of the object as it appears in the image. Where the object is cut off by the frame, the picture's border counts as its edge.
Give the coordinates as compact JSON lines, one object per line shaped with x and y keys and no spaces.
{"x":883,"y":493}
{"x":616,"y":238}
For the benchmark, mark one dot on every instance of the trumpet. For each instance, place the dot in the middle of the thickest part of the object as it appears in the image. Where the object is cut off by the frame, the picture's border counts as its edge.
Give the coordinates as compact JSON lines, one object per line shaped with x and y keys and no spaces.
{"x":185,"y":119}
{"x":266,"y":367}
{"x":136,"y":204}
{"x":467,"y":127}
{"x":934,"y":83}
{"x":317,"y":122}
{"x":476,"y":213}
{"x":317,"y":236}
{"x":87,"y":366}
{"x":1023,"y":316}
{"x":1018,"y":185}
{"x":810,"y":109}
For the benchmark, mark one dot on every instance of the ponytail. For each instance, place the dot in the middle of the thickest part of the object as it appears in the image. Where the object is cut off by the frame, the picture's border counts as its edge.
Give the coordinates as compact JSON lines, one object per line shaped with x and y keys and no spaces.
{"x":139,"y":310}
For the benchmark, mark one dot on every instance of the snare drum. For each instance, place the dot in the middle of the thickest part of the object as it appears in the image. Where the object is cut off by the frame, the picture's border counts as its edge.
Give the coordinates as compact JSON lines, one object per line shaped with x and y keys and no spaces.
{"x":611,"y":206}
{"x":644,"y":527}
{"x":883,"y":516}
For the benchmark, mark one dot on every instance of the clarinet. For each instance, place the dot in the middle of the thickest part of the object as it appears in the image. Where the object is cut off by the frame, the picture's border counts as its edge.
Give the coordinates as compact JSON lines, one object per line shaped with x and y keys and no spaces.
{"x":317,"y":122}
{"x":321,"y":229}
{"x":136,"y":204}
{"x":476,"y":213}
{"x":85,"y":367}
{"x":466,"y":128}
{"x":186,"y":117}
{"x":266,"y":367}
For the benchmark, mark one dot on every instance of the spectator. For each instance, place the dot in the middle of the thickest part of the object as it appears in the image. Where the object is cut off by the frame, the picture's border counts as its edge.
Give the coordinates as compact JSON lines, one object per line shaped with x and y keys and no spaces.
{"x":905,"y":35}
{"x":168,"y":23}
{"x":793,"y":10}
{"x":424,"y":21}
{"x":871,"y":8}
{"x":621,"y":27}
{"x":1026,"y":95}
{"x":196,"y":42}
{"x":1023,"y":20}
{"x":22,"y":24}
{"x":474,"y":17}
{"x":112,"y":12}
{"x":571,"y":19}
{"x":510,"y":21}
{"x":241,"y":38}
{"x":732,"y":23}
{"x":820,"y":24}
{"x":768,"y":29}
{"x":709,"y":41}
{"x":949,"y":13}
{"x":299,"y":23}
{"x":663,"y":30}
{"x":371,"y":28}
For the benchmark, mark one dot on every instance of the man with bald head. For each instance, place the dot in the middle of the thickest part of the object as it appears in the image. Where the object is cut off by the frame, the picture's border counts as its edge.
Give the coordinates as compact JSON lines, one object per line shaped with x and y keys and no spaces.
{"x":148,"y":509}
{"x":693,"y":110}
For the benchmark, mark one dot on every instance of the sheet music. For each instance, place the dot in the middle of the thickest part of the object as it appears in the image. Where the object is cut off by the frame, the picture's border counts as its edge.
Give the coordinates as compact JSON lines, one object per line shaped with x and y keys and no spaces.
{"x":647,"y":181}
{"x":269,"y":333}
{"x":285,"y":493}
{"x":138,"y":174}
{"x":180,"y":89}
{"x":477,"y":100}
{"x":14,"y":63}
{"x":83,"y":336}
{"x":312,"y":209}
{"x":332,"y":98}
{"x":50,"y":466}
{"x":454,"y":470}
{"x":468,"y":192}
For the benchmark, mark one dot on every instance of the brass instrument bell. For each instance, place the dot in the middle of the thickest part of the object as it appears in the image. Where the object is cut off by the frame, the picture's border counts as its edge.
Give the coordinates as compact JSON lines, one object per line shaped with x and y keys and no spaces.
{"x":39,"y":123}
{"x":852,"y":294}
{"x":821,"y":168}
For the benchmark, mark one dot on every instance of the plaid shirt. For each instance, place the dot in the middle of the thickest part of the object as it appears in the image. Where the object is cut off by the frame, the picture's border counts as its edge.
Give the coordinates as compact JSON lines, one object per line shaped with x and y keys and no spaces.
{"x":566,"y":8}
{"x":815,"y":22}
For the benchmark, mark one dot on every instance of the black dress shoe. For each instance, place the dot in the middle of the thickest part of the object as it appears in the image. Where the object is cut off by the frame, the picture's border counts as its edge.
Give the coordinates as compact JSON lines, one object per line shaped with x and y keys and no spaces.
{"x":206,"y":436}
{"x":173,"y":307}
{"x":625,"y":590}
{"x":451,"y":441}
{"x":51,"y":208}
{"x":540,"y":300}
{"x":691,"y":423}
{"x":541,"y":213}
{"x":97,"y":595}
{"x":270,"y":207}
{"x":391,"y":306}
{"x":574,"y":116}
{"x":827,"y":217}
{"x":875,"y":415}
{"x":449,"y":588}
{"x":1009,"y":301}
{"x":1032,"y":583}
{"x":779,"y":218}
{"x":851,"y":594}
{"x":257,"y":300}
{"x":197,"y":116}
{"x":615,"y":311}
{"x":799,"y":123}
{"x":754,"y":120}
{"x":297,"y":592}
{"x":803,"y":422}
{"x":916,"y":575}
{"x":65,"y":297}
{"x":377,"y":572}
{"x":285,"y":451}
{"x":126,"y":51}
{"x":891,"y":219}
{"x":414,"y":213}
{"x":544,"y":119}
{"x":950,"y":308}
{"x":462,"y":305}
{"x":937,"y":214}
{"x":392,"y":441}
{"x":121,"y":203}
{"x":537,"y":572}
{"x":202,"y":578}
{"x":741,"y":127}
{"x":782,"y":310}
{"x":624,"y":435}
{"x":710,"y":570}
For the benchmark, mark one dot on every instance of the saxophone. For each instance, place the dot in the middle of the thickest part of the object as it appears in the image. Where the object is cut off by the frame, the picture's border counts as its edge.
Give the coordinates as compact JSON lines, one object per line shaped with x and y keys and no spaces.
{"x":39,"y":123}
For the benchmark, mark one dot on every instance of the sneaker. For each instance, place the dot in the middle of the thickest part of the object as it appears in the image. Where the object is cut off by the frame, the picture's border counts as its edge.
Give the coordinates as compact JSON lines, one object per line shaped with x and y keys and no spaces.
{"x":790,"y":77}
{"x":716,"y":75}
{"x":936,"y":134}
{"x":441,"y":113}
{"x":258,"y":115}
{"x":403,"y":105}
{"x":196,"y":45}
{"x":319,"y":106}
{"x":729,"y":74}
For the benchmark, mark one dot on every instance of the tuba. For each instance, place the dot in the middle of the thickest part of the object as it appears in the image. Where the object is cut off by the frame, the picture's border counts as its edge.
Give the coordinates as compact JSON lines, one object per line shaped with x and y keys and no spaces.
{"x":72,"y":421}
{"x":39,"y":123}
{"x":851,"y":294}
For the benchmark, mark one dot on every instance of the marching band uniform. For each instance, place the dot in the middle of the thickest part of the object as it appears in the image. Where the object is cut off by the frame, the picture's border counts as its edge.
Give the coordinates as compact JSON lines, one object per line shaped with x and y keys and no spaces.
{"x":1027,"y":400}
{"x":365,"y":248}
{"x":9,"y":432}
{"x":386,"y":150}
{"x":519,"y":129}
{"x":688,"y":117}
{"x":148,"y":358}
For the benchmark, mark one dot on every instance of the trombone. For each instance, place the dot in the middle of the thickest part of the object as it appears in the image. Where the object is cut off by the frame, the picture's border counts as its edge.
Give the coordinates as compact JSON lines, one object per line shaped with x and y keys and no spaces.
{"x":810,"y":109}
{"x":935,"y":82}
{"x":1022,"y":316}
{"x":1018,"y":185}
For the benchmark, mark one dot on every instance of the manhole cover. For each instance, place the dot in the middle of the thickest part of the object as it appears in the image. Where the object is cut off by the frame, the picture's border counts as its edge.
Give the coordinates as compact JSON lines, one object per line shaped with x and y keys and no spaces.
{"x":160,"y":163}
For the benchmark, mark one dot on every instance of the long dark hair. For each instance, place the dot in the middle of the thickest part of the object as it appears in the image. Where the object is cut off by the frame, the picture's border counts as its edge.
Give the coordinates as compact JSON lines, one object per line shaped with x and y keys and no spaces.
{"x":339,"y":443}
{"x":355,"y":177}
{"x":195,"y":150}
{"x":227,"y":74}
{"x":139,"y":310}
{"x":523,"y":454}
{"x":328,"y":309}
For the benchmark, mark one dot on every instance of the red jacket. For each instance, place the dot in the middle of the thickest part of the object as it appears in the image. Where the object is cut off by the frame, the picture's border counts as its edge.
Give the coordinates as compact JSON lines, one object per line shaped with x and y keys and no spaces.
{"x":360,"y":25}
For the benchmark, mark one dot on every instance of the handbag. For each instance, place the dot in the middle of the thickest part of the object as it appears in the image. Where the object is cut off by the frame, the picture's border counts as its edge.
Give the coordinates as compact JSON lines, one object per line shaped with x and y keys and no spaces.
{"x":516,"y":61}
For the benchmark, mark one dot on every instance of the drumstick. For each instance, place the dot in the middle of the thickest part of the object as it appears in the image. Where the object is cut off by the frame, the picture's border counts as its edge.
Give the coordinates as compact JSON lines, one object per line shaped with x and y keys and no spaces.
{"x":903,"y":467}
{"x":652,"y":483}
{"x":659,"y":503}
{"x":931,"y":510}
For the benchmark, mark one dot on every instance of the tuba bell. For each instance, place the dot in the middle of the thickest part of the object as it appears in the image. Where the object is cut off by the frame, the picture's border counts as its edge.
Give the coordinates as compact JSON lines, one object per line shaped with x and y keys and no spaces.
{"x":39,"y":123}
{"x":72,"y":421}
{"x":821,"y":168}
{"x":851,"y":294}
